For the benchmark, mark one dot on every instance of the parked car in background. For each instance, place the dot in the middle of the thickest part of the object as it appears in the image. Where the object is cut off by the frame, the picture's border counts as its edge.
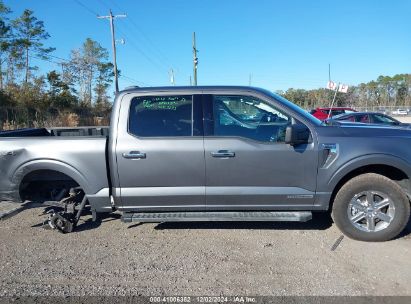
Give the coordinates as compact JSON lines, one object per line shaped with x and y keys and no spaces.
{"x":324,"y":113}
{"x":399,"y":112}
{"x":370,"y":117}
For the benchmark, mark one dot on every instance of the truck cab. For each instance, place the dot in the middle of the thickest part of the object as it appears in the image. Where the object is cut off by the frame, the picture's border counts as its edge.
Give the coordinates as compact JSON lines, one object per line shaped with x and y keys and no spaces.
{"x":210,"y":149}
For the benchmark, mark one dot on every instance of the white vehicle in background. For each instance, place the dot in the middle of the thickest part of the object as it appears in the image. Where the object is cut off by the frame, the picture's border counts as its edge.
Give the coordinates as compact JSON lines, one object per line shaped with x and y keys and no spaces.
{"x":399,"y":112}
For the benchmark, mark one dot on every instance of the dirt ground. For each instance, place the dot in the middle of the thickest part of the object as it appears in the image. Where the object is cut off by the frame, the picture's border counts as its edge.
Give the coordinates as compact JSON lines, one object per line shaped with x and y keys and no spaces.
{"x":113,"y":258}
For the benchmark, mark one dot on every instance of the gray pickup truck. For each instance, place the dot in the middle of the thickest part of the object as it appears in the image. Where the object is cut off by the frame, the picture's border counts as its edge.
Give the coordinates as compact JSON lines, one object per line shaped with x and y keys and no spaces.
{"x":217,"y":154}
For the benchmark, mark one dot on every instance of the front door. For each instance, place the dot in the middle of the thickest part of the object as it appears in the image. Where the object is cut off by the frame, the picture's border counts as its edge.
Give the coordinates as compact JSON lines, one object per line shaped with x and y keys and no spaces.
{"x":248,"y":165}
{"x":160,"y":154}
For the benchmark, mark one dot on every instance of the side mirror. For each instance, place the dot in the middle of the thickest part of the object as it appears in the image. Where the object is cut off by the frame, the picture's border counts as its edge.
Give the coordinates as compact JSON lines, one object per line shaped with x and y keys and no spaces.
{"x":297,"y":134}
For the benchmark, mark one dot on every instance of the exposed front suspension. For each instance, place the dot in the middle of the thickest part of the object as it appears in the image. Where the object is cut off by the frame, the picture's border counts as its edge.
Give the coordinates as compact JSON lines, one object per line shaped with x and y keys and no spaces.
{"x":66,"y":220}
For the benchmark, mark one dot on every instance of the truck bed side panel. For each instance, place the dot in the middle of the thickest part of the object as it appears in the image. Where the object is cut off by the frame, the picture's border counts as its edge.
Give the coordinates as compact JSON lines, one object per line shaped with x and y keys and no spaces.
{"x":81,"y":158}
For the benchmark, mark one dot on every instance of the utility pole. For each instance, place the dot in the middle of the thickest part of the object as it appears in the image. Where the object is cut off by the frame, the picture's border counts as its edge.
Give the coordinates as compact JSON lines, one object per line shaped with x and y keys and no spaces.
{"x":249,"y":79}
{"x":113,"y":42}
{"x":332,"y":103}
{"x":329,"y":72}
{"x":195,"y":59}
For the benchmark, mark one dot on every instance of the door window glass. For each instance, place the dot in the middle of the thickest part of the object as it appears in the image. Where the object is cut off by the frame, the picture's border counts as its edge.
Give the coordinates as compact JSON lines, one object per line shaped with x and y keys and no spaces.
{"x":362,"y":118}
{"x":349,"y":118}
{"x":161,"y":116}
{"x":248,"y":117}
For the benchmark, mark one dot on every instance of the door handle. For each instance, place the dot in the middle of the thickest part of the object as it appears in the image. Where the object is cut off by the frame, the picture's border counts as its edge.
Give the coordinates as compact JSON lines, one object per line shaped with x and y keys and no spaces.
{"x":134,"y":155}
{"x":223,"y":154}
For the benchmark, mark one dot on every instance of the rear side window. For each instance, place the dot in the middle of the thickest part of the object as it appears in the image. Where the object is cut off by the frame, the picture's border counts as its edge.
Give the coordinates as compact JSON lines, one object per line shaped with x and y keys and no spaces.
{"x":161,"y":116}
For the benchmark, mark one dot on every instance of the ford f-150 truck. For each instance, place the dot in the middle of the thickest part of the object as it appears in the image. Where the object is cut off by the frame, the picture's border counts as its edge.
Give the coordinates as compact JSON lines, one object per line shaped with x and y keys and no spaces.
{"x":217,"y":154}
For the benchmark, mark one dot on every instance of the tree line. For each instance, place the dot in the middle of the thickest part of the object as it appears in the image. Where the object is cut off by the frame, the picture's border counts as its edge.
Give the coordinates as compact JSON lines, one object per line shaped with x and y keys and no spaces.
{"x":384,"y":92}
{"x":75,"y":93}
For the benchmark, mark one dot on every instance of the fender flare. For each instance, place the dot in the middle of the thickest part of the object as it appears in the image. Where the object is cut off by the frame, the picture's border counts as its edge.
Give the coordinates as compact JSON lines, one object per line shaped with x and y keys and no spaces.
{"x":50,"y":164}
{"x":367,"y":160}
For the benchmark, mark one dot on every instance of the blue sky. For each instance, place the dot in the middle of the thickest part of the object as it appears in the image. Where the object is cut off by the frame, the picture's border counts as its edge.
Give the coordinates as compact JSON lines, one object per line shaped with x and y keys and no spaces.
{"x":283,"y":44}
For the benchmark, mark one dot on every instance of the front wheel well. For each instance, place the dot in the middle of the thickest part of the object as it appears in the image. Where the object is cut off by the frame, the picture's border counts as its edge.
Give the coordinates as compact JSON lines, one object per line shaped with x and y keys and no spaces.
{"x":43,"y":185}
{"x":391,"y":172}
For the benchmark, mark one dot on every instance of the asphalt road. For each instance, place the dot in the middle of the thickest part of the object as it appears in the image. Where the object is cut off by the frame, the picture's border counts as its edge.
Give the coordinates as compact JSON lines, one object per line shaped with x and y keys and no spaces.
{"x":197,"y":259}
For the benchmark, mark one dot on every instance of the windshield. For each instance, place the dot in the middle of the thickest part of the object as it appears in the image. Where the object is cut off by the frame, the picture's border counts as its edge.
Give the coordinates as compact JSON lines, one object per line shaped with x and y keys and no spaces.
{"x":341,"y":115}
{"x":385,"y":119}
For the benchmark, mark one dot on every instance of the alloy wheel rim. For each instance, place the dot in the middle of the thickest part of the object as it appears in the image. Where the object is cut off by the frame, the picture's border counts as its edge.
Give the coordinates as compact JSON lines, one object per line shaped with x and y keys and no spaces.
{"x":371,"y":211}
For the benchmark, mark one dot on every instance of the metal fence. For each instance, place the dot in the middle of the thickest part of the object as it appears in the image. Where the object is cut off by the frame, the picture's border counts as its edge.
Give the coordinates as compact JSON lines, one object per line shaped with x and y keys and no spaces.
{"x":389,"y":110}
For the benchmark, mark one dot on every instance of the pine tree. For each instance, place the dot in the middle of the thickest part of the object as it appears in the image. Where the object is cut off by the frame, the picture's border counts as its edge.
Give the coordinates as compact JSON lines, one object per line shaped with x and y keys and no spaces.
{"x":30,"y":33}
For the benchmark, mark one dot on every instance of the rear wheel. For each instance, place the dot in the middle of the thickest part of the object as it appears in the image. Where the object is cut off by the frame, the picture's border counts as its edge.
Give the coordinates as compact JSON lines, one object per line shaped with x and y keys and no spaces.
{"x":371,"y":207}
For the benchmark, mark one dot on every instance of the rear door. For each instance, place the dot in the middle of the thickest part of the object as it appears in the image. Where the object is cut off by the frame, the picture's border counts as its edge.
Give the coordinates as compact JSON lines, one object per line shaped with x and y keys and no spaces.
{"x":160,"y":153}
{"x":248,"y":165}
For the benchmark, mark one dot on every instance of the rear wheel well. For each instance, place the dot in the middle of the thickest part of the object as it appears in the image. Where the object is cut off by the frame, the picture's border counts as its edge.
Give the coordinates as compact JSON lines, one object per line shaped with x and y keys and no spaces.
{"x":43,"y":185}
{"x":392,"y":173}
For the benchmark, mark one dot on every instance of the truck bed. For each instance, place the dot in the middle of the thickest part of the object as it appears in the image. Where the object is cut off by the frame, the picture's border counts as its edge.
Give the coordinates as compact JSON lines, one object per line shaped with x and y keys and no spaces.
{"x":82,"y":158}
{"x":58,"y":131}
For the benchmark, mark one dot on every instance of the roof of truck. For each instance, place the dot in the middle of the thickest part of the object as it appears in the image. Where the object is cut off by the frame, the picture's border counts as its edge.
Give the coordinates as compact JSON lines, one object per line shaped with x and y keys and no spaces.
{"x":189,"y":88}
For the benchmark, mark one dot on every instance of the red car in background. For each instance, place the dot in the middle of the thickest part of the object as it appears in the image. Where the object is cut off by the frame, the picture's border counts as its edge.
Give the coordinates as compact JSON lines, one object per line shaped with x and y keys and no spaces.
{"x":324,"y":113}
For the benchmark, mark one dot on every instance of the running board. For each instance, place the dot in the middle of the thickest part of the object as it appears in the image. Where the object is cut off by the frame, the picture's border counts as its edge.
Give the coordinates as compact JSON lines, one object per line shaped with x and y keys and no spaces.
{"x":212,"y":216}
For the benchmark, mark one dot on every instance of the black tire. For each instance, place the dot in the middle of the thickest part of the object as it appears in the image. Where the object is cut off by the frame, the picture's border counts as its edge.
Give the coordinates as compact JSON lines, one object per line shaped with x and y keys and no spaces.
{"x":361,"y":184}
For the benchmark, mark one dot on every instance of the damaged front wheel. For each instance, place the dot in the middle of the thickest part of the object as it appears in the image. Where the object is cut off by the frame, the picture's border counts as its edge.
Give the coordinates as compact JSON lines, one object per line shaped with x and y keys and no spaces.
{"x":66,"y":220}
{"x":63,"y":222}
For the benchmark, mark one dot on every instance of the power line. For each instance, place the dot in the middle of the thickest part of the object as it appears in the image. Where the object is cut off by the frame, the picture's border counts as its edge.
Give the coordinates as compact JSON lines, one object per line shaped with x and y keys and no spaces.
{"x":59,"y":58}
{"x":154,"y":47}
{"x":147,"y":57}
{"x":44,"y":59}
{"x":115,"y":4}
{"x":121,"y":76}
{"x":86,"y":8}
{"x":135,"y":46}
{"x":158,"y":61}
{"x":160,"y":56}
{"x":161,"y":69}
{"x":135,"y":81}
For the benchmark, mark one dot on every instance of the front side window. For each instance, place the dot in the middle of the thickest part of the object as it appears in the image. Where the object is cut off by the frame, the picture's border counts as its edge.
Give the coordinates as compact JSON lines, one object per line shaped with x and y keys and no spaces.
{"x":362,"y":118}
{"x":349,"y":118}
{"x":161,"y":116}
{"x":248,"y":117}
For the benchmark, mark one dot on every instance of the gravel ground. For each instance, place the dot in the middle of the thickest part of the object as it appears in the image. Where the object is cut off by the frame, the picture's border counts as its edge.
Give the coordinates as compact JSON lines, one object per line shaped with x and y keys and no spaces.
{"x":8,"y":208}
{"x":114,"y":258}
